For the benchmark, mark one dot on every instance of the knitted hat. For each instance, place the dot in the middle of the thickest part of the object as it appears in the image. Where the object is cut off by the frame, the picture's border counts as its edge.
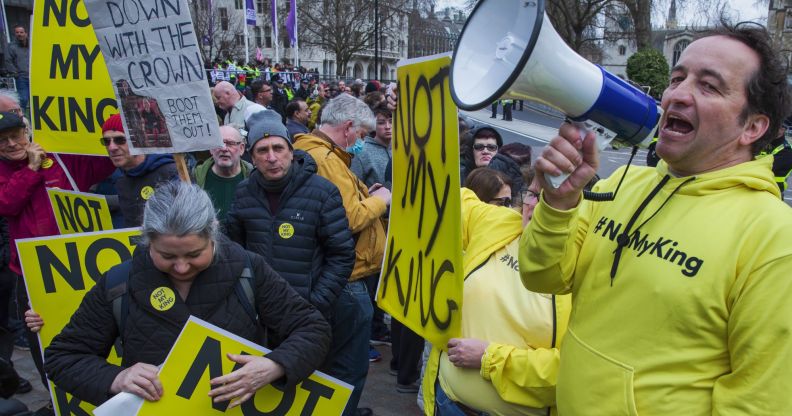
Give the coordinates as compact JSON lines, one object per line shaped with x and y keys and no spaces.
{"x":372,"y":86}
{"x":113,"y":123}
{"x":264,"y":124}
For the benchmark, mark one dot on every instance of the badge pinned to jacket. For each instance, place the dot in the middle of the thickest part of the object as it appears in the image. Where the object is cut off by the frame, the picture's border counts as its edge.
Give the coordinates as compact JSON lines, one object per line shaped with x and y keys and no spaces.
{"x":163,"y":298}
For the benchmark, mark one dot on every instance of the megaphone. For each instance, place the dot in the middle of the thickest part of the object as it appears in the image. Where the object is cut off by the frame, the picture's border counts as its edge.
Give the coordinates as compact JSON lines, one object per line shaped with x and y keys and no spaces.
{"x":509,"y":49}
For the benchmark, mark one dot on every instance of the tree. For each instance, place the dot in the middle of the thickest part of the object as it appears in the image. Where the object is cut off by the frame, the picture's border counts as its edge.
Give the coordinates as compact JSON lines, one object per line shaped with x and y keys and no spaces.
{"x":641,"y":14}
{"x":218,"y":32}
{"x":346,"y":27}
{"x":575,"y":19}
{"x":648,"y":68}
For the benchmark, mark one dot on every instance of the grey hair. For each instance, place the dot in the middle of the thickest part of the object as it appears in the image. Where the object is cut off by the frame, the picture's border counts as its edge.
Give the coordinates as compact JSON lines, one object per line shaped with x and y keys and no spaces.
{"x":346,"y":107}
{"x":233,"y":130}
{"x":11,"y":95}
{"x":179,"y":209}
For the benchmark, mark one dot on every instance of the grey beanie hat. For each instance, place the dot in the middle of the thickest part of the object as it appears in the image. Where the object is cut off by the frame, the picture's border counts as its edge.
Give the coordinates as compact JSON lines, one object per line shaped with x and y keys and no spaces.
{"x":264,"y":124}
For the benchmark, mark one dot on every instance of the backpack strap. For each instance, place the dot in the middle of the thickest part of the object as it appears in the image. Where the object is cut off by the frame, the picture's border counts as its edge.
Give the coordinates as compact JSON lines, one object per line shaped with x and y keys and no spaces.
{"x":244,"y":290}
{"x":116,"y":292}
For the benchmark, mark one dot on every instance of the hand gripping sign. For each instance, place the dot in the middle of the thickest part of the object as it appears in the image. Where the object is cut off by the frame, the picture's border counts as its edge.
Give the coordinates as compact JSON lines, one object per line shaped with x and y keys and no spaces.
{"x":200,"y":354}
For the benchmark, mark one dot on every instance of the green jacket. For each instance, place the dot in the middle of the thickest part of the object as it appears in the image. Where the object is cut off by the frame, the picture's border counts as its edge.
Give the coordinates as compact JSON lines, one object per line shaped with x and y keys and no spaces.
{"x":200,"y":171}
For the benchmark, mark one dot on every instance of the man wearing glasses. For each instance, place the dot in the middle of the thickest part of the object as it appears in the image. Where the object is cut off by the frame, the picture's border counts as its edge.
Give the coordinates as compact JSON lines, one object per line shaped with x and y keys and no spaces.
{"x":140,"y":173}
{"x":262,"y":93}
{"x":26,"y":170}
{"x":220,"y":175}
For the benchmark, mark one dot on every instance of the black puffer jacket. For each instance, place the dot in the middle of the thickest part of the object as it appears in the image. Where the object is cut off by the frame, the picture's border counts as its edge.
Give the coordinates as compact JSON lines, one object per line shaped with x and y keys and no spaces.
{"x":318,"y":258}
{"x":75,"y":360}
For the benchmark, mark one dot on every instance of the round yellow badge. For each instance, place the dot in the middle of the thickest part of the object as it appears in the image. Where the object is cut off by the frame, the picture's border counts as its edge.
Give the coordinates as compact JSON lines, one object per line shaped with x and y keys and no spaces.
{"x":163,"y":298}
{"x":47,"y":163}
{"x":286,"y":230}
{"x":146,"y":192}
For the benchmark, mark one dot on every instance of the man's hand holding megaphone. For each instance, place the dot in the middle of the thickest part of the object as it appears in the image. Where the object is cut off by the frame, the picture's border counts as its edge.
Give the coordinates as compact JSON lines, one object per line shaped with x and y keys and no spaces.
{"x":567,"y":153}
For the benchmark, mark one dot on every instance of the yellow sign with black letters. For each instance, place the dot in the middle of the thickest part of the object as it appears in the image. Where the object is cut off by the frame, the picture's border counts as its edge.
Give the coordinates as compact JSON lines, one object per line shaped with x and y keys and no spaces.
{"x":421,"y":279}
{"x":79,"y":212}
{"x":58,"y":272}
{"x":71,"y":94}
{"x":200,"y":354}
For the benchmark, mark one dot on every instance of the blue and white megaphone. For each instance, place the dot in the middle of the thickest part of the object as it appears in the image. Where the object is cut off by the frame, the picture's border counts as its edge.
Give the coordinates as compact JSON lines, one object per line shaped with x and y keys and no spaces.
{"x":509,"y":49}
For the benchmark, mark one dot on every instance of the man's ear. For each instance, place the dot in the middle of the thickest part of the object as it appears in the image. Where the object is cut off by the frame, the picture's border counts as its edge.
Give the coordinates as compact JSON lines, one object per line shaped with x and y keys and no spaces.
{"x":754,"y":128}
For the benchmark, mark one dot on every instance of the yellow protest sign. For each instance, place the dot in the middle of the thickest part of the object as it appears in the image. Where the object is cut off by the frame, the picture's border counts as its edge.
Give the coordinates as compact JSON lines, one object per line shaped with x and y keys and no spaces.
{"x":58,"y":271}
{"x":79,"y":212}
{"x":71,"y":94}
{"x":199,"y":355}
{"x":421,"y":279}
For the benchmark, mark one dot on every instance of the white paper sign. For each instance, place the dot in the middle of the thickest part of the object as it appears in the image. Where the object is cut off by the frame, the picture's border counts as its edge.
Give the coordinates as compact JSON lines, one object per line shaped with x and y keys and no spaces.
{"x":155,"y":64}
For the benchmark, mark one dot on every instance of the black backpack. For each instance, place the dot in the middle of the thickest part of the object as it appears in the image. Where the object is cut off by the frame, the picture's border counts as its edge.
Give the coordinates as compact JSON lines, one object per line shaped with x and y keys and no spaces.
{"x":117,"y":293}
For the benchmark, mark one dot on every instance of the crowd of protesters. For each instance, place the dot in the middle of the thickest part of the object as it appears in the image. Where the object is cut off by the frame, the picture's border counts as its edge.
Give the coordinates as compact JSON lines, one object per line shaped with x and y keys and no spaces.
{"x":559,"y":313}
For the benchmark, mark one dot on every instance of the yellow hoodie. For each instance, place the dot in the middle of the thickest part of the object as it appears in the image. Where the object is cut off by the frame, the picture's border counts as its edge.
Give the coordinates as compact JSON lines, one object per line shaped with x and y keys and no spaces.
{"x":519,"y":367}
{"x":364,"y":212}
{"x":693,"y":316}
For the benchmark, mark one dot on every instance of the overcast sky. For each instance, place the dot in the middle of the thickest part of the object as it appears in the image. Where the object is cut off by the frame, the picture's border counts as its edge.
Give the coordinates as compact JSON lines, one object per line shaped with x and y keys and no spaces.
{"x":743,"y":8}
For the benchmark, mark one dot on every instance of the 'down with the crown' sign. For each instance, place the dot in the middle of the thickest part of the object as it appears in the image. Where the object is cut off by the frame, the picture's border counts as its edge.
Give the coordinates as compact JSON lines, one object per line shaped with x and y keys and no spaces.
{"x":79,"y":212}
{"x":58,"y":272}
{"x":421,"y":281}
{"x":157,"y":72}
{"x":200,"y":354}
{"x":71,"y":95}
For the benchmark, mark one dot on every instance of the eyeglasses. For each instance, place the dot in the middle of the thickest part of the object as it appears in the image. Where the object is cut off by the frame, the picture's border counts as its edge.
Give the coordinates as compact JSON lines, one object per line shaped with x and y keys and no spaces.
{"x":491,"y":147}
{"x":118,"y":140}
{"x":528,"y":195}
{"x":502,"y":202}
{"x":266,"y":91}
{"x":7,"y":141}
{"x":229,"y":143}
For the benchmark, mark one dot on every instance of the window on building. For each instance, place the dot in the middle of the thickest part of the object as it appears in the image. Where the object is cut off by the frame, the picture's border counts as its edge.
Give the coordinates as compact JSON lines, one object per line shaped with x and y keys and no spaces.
{"x":788,"y":19}
{"x":240,"y":40}
{"x":267,"y":37}
{"x":223,"y":18}
{"x":239,"y":4}
{"x":261,"y":6}
{"x":678,"y":48}
{"x":259,"y":37}
{"x":622,"y":50}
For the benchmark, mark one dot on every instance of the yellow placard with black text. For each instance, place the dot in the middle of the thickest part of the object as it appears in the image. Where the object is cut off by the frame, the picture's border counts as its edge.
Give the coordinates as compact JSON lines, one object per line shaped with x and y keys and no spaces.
{"x":79,"y":212}
{"x":421,"y":279}
{"x":200,"y":354}
{"x":71,"y":94}
{"x":58,"y":272}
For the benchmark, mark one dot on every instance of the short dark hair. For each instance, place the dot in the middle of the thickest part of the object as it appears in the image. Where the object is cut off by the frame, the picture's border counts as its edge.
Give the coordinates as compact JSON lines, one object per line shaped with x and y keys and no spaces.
{"x":767,"y":91}
{"x":486,"y":183}
{"x":382,"y":110}
{"x":293,"y":106}
{"x":257,"y":85}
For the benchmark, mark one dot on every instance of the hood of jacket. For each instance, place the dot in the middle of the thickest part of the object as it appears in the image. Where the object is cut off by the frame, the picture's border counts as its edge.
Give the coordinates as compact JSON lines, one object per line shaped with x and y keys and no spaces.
{"x":317,"y":139}
{"x":203,"y":169}
{"x":503,"y":226}
{"x":755,"y":175}
{"x":151,"y":163}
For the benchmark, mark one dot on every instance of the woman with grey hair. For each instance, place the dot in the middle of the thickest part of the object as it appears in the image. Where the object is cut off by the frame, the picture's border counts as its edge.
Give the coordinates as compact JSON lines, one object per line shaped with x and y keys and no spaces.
{"x":183,"y":255}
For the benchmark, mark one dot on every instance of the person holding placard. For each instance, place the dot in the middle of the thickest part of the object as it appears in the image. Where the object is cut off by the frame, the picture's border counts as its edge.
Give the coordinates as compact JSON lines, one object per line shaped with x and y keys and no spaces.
{"x":185,"y":266}
{"x":26,"y":171}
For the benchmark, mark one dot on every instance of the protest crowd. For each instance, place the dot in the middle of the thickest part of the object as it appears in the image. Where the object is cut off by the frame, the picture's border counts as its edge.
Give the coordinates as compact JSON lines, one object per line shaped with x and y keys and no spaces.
{"x":671,"y":299}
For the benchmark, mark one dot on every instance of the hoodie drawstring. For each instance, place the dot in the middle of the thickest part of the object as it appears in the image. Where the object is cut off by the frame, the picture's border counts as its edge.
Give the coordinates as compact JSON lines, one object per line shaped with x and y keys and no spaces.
{"x":623,"y":239}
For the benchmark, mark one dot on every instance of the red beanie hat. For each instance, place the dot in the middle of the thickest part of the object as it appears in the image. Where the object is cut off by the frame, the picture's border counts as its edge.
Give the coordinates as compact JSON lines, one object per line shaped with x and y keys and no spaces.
{"x":113,"y":123}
